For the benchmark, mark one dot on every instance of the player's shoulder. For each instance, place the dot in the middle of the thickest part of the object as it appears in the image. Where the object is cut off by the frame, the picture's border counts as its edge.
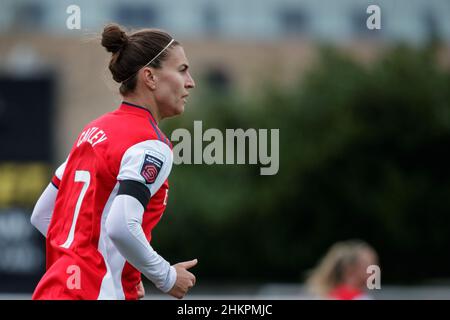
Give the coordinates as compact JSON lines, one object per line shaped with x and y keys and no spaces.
{"x":144,"y":137}
{"x":154,"y":150}
{"x":144,"y":160}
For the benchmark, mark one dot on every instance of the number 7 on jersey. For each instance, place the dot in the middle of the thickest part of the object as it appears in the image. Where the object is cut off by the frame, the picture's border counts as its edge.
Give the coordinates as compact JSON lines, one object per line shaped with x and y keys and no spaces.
{"x":85,"y":177}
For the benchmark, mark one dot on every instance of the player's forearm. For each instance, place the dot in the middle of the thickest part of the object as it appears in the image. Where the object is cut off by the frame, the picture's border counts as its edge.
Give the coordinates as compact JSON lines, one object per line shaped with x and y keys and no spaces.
{"x":43,"y":210}
{"x":124,"y":227}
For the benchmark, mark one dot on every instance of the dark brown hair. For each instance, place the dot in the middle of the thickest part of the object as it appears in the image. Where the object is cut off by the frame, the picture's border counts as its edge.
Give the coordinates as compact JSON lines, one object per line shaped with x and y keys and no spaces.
{"x":132,"y":52}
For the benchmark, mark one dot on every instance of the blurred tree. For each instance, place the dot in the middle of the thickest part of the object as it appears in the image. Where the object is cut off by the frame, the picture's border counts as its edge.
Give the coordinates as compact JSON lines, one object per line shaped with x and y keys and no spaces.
{"x":362,"y":155}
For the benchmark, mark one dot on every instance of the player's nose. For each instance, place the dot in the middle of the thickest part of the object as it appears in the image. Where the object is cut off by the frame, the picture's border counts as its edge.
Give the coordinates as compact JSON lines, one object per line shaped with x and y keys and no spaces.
{"x":190,"y":83}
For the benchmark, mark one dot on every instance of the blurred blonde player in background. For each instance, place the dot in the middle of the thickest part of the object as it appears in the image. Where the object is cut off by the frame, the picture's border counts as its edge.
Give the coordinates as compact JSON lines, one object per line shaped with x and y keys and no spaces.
{"x":342,"y":272}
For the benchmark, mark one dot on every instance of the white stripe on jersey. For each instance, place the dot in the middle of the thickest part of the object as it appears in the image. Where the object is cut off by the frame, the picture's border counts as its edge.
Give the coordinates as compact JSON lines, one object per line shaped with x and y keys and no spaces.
{"x":111,"y":287}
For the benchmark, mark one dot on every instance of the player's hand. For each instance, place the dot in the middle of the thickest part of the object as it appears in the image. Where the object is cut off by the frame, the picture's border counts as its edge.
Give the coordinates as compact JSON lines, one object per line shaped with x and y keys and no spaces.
{"x":185,"y":279}
{"x":140,"y":290}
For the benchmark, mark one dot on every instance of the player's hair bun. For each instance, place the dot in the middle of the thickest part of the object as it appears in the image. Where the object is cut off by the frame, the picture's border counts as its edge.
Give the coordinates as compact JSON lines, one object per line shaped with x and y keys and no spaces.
{"x":114,"y":38}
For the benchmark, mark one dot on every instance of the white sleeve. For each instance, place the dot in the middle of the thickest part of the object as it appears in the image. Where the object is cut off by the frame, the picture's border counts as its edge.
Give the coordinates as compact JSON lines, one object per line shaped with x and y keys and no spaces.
{"x":123,"y":226}
{"x":148,"y":162}
{"x":60,"y":171}
{"x":43,"y":210}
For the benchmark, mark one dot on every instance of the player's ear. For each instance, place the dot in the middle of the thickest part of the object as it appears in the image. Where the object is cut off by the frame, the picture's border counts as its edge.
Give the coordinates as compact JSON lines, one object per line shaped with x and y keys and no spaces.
{"x":149,"y":78}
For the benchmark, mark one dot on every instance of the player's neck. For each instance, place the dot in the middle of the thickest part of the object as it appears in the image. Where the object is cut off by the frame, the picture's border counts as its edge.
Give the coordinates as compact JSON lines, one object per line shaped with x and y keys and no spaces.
{"x":146,"y":103}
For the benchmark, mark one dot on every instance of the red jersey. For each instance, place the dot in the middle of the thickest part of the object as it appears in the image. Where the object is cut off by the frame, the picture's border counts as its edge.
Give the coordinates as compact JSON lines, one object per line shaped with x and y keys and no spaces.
{"x":345,"y":292}
{"x":82,"y":262}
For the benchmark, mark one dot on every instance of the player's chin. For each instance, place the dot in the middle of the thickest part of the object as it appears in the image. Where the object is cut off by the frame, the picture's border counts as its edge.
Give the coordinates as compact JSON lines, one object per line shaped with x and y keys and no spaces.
{"x":179,"y":109}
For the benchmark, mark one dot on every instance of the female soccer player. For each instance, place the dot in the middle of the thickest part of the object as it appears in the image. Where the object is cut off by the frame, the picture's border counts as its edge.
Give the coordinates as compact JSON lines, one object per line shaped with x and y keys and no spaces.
{"x":105,"y":199}
{"x":342,"y":272}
